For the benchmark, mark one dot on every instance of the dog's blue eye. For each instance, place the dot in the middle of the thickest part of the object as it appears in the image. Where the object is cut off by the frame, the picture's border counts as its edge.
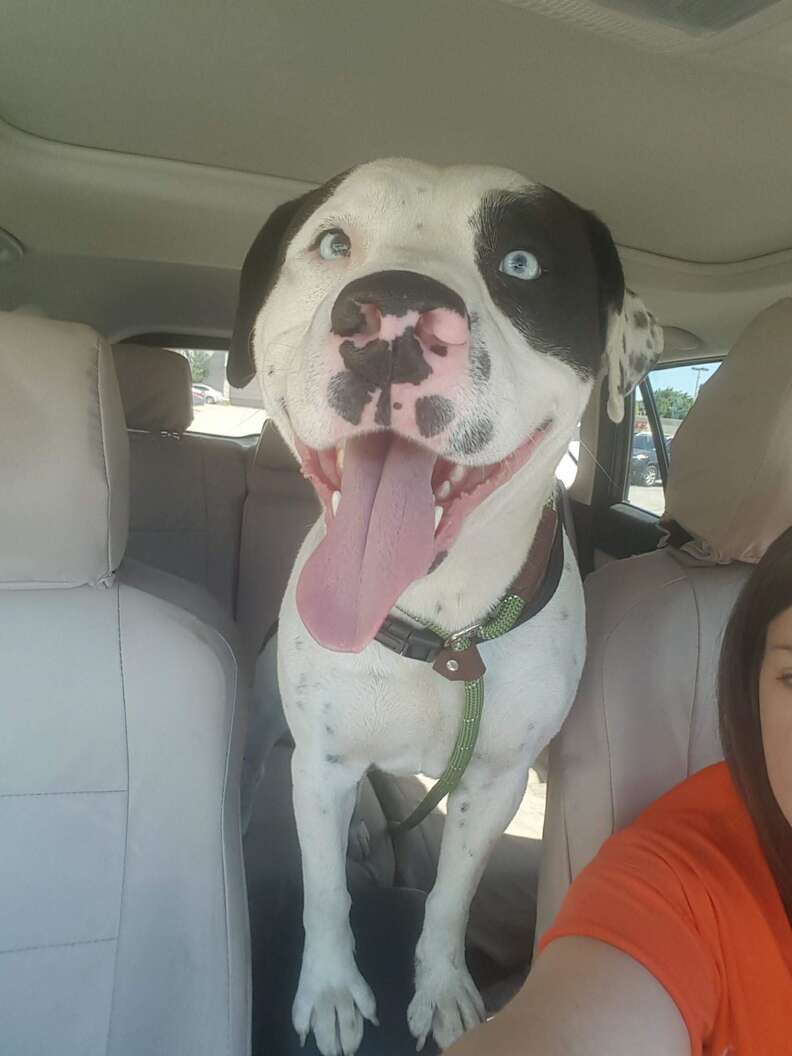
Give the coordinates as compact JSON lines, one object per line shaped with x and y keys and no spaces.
{"x":334,"y":244}
{"x":520,"y":264}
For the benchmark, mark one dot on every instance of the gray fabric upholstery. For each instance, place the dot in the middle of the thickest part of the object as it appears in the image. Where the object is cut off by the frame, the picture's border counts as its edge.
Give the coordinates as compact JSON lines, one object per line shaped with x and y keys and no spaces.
{"x":731,"y":479}
{"x":186,"y":490}
{"x":645,"y":717}
{"x":63,"y":458}
{"x":280,"y":508}
{"x":123,"y":912}
{"x":156,"y":388}
{"x":187,"y":494}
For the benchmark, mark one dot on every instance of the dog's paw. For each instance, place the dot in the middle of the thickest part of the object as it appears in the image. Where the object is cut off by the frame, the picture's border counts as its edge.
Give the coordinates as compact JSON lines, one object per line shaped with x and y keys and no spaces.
{"x":446,"y":1004}
{"x":334,"y":1008}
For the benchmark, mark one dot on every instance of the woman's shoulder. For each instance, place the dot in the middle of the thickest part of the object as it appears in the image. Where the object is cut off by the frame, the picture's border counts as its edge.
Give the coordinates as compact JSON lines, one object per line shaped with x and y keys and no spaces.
{"x":710,"y":793}
{"x":706,"y":808}
{"x":698,"y":840}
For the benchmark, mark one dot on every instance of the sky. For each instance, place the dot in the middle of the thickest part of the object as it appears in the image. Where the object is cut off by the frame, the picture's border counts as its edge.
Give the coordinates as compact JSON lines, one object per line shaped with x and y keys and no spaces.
{"x":682,"y":378}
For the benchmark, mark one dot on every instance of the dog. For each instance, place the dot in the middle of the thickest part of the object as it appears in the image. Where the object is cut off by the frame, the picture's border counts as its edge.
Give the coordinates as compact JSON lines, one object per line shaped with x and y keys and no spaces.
{"x":426,"y":341}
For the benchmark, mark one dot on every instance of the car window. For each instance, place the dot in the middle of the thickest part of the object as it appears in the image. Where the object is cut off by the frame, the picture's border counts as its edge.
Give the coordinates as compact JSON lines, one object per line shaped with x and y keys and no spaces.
{"x":661,"y":404}
{"x":567,"y":468}
{"x":218,"y":408}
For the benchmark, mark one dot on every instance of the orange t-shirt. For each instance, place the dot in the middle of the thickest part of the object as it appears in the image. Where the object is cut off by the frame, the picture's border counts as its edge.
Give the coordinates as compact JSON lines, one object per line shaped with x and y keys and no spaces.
{"x":687,"y":892}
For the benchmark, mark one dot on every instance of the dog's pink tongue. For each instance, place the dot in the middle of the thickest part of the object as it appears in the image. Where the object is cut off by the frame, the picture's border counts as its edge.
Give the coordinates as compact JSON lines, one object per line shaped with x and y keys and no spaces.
{"x":381,"y":539}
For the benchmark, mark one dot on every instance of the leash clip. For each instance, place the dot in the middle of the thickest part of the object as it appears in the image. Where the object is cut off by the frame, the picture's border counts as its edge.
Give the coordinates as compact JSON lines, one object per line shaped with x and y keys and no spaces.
{"x":452,"y":639}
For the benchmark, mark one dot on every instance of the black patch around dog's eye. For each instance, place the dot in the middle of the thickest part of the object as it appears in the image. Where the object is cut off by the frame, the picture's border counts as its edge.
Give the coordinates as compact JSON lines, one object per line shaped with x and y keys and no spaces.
{"x":560,"y":312}
{"x":433,"y":414}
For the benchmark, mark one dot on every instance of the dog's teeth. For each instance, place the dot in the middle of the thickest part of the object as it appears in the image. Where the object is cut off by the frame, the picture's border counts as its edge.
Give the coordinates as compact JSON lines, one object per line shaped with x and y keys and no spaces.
{"x":444,"y":490}
{"x":458,"y":473}
{"x":340,"y":457}
{"x":438,"y":515}
{"x":335,"y":501}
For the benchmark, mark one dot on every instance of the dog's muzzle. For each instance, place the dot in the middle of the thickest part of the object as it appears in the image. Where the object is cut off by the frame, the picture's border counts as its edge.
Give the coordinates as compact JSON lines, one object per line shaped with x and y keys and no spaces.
{"x":403,"y":342}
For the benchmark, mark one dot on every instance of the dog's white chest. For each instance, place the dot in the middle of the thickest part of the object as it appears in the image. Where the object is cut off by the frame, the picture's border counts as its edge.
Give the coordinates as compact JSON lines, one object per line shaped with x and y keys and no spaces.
{"x":401,"y":716}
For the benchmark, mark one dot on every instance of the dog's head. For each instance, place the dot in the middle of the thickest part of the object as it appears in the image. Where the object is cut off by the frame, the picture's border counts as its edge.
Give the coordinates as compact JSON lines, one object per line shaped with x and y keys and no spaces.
{"x":422,"y":336}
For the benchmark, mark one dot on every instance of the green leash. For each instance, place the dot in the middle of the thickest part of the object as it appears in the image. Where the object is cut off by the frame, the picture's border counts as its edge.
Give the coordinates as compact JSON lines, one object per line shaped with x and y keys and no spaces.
{"x":503,"y":618}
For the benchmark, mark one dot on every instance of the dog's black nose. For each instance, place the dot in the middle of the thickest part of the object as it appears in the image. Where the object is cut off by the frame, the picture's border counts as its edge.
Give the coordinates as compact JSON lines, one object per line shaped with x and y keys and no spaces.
{"x":361,"y":305}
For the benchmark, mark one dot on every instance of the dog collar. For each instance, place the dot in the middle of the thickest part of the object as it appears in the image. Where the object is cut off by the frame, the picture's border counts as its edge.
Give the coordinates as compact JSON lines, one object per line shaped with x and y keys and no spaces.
{"x":457,"y":658}
{"x":535,"y":585}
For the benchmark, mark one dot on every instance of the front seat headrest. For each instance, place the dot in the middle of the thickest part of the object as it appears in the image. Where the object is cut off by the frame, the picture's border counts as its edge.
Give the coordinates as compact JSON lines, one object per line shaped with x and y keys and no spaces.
{"x":730,"y":478}
{"x":156,"y":388}
{"x":64,"y":456}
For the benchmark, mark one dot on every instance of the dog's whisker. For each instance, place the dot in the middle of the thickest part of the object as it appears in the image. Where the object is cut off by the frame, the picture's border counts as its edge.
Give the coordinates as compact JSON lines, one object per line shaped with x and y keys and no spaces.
{"x":597,"y":462}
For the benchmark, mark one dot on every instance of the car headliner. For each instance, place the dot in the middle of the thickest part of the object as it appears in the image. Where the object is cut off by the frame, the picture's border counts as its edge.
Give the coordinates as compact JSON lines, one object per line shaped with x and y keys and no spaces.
{"x":682,"y":145}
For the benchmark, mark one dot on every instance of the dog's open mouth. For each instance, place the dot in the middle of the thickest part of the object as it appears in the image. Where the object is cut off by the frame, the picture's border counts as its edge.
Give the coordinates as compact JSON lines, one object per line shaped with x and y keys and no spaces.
{"x":393,"y":510}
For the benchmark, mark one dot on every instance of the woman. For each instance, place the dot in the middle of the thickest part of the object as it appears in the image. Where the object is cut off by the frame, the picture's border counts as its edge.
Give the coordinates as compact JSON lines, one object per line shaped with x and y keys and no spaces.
{"x":677,"y":938}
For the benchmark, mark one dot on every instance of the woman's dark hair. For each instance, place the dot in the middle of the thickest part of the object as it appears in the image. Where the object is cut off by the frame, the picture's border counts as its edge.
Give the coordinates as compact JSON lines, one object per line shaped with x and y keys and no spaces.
{"x":766,"y":595}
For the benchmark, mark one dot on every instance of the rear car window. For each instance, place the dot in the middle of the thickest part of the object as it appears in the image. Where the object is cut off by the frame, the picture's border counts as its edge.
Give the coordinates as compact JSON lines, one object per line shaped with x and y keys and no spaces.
{"x":661,"y":405}
{"x":218,"y":408}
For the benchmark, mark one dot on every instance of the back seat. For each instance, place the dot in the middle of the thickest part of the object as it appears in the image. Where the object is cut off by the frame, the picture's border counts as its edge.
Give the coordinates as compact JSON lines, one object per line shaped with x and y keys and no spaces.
{"x":279,"y":509}
{"x":186,"y":491}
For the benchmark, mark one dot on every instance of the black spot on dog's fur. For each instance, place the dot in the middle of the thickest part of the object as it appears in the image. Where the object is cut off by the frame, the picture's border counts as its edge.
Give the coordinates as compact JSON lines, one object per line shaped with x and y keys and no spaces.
{"x":371,"y":363}
{"x":480,"y":365}
{"x":333,"y":759}
{"x":639,"y":363}
{"x":433,"y":414}
{"x":348,"y":395}
{"x":409,"y":365}
{"x":472,"y":436}
{"x":397,"y":406}
{"x":376,"y":365}
{"x":464,"y":806}
{"x":641,"y":320}
{"x":329,"y":730}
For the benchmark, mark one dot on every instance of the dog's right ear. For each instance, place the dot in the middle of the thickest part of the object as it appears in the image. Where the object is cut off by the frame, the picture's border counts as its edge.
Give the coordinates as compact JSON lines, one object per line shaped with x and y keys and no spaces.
{"x":258,"y":276}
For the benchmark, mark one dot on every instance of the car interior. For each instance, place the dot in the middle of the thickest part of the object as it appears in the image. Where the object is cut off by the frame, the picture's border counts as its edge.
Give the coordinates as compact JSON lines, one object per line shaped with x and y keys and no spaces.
{"x":150,"y":513}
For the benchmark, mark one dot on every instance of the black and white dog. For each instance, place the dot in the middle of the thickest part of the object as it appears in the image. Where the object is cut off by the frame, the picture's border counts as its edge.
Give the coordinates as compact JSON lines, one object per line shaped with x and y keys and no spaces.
{"x":426,"y":341}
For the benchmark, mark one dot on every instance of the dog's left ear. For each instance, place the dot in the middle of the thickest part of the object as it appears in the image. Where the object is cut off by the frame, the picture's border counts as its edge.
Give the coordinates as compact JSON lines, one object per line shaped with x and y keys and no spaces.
{"x":258,"y":275}
{"x":632,"y":338}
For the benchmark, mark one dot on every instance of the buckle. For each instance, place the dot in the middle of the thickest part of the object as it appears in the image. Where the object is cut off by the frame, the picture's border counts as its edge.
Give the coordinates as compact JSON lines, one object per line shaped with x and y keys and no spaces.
{"x":414,"y":643}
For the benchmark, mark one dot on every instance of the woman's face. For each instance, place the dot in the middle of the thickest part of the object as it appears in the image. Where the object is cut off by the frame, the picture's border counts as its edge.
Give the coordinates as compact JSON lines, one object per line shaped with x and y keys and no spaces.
{"x":775,"y":703}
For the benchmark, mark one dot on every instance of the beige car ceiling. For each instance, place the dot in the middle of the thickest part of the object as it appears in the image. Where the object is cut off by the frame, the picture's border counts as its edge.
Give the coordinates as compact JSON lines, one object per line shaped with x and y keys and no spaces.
{"x":158,"y":135}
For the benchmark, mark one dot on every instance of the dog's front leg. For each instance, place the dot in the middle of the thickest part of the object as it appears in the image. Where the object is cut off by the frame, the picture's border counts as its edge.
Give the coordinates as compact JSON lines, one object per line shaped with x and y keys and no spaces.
{"x":332,"y":998}
{"x":446,"y":1000}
